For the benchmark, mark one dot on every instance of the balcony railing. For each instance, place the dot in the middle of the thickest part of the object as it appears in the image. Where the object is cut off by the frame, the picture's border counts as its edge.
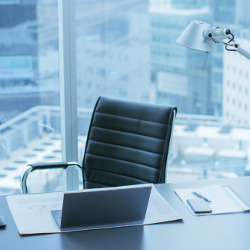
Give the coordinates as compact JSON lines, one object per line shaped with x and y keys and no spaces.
{"x":202,"y":146}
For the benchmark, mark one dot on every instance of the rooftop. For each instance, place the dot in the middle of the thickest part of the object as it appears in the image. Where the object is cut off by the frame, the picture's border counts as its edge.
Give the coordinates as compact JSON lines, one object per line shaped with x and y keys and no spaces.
{"x":167,"y":9}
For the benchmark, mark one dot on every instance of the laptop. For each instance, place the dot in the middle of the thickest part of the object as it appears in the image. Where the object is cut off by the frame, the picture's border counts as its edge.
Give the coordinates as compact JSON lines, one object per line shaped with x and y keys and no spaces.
{"x":103,"y":208}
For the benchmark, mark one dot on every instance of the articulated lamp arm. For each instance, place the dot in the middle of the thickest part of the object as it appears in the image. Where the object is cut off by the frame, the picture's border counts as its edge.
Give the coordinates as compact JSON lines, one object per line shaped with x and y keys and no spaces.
{"x":242,"y":51}
{"x":219,"y":34}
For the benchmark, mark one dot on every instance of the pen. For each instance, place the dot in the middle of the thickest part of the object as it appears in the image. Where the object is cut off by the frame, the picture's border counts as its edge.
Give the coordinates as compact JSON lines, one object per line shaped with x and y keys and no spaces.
{"x":201,"y":196}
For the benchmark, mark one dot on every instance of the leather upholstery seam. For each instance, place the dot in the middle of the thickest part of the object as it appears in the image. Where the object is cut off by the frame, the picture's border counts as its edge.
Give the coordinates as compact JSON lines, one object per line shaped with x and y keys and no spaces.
{"x":109,"y":129}
{"x":128,"y":147}
{"x":109,"y":172}
{"x":123,"y":116}
{"x":148,"y":166}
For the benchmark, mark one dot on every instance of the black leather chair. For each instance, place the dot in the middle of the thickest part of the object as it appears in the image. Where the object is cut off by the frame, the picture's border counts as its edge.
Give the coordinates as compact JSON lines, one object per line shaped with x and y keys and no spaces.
{"x":127,"y":143}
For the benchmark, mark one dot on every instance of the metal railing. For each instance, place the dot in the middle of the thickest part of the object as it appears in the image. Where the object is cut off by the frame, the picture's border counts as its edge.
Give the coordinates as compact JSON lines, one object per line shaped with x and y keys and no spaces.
{"x":40,"y":121}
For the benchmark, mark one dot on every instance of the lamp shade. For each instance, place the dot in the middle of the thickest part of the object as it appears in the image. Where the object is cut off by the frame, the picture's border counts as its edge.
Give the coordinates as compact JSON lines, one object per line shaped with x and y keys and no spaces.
{"x":192,"y":37}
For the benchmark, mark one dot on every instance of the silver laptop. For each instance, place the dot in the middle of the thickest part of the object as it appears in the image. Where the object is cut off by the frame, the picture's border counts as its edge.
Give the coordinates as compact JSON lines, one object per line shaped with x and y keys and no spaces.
{"x":103,"y":208}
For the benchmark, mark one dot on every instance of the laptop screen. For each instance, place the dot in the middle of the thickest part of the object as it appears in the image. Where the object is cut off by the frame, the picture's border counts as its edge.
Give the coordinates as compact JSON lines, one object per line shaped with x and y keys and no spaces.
{"x":104,"y":207}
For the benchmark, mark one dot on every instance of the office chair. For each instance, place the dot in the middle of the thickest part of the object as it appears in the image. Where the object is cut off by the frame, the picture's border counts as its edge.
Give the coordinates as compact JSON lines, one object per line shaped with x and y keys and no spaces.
{"x":127,"y":143}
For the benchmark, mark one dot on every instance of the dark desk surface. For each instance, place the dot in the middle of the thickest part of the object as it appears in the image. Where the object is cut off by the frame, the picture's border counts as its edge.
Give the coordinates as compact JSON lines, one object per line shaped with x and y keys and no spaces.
{"x":222,"y":232}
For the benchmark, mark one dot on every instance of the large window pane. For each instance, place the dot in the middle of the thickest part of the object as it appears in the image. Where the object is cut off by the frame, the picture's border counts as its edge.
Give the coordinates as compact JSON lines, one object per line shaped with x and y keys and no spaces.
{"x":113,"y":54}
{"x":127,"y":50}
{"x":29,"y":89}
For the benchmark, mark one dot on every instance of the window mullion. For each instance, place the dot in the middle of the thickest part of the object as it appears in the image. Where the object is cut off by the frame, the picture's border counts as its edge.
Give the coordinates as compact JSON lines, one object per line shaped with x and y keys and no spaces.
{"x":68,"y":86}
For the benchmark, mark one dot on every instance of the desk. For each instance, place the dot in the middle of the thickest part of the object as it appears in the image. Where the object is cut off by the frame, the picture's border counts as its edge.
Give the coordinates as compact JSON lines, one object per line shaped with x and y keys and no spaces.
{"x":222,"y":232}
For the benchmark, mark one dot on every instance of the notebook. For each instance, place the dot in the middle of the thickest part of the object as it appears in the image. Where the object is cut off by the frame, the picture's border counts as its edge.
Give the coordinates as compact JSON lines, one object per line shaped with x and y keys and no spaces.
{"x":103,"y":208}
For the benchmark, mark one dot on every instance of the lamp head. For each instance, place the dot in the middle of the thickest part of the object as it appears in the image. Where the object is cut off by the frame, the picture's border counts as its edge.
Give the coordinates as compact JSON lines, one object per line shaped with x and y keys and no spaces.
{"x":195,"y":37}
{"x":201,"y":36}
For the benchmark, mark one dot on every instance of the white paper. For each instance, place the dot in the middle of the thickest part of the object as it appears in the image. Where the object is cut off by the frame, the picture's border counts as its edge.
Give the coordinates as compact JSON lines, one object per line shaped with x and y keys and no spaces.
{"x":159,"y":209}
{"x":223,"y":199}
{"x":32,"y":212}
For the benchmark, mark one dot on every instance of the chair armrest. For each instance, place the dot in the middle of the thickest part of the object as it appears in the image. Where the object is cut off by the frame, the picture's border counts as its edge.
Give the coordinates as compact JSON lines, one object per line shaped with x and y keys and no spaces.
{"x":41,"y":166}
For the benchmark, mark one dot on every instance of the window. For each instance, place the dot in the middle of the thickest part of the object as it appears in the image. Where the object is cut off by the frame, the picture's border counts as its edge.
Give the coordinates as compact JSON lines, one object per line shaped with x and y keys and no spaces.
{"x":160,"y":71}
{"x":29,"y":89}
{"x":124,"y":49}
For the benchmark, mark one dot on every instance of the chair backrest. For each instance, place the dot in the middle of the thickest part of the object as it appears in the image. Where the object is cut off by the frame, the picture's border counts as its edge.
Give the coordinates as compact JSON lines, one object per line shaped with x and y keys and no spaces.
{"x":127,"y":143}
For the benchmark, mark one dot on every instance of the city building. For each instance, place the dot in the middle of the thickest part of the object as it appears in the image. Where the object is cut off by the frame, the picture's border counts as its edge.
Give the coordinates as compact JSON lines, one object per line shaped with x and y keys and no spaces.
{"x":113,"y":51}
{"x":24,"y":71}
{"x":233,"y":15}
{"x":176,"y":71}
{"x":236,"y":88}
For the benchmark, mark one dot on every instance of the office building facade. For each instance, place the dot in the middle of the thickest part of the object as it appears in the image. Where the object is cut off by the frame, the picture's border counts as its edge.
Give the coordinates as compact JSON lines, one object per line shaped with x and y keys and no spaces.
{"x":176,"y":71}
{"x":236,"y":88}
{"x":233,"y":15}
{"x":23,"y":81}
{"x":112,"y":43}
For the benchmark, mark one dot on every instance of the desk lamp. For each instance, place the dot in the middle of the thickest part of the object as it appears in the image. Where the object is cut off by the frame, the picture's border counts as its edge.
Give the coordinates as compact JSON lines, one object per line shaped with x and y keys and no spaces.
{"x":202,"y":36}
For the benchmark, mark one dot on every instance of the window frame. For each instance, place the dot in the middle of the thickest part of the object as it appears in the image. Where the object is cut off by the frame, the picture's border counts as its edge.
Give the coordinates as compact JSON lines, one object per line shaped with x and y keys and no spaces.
{"x":68,"y":87}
